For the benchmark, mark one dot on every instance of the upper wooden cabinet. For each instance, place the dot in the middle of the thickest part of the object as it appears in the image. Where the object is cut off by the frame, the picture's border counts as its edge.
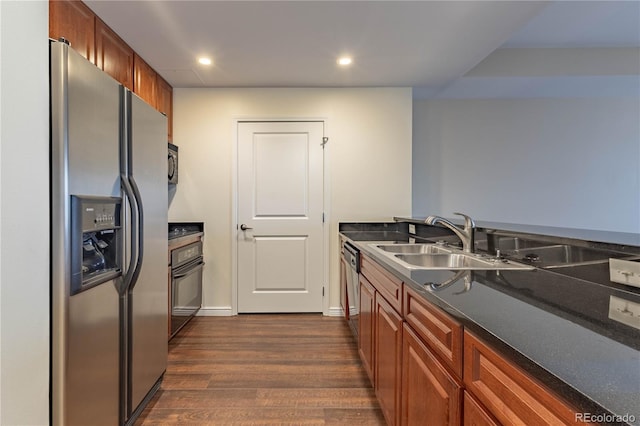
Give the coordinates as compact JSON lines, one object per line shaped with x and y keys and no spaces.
{"x":75,"y":22}
{"x":164,"y":104}
{"x":113,"y":55}
{"x":93,"y":39}
{"x":145,"y":82}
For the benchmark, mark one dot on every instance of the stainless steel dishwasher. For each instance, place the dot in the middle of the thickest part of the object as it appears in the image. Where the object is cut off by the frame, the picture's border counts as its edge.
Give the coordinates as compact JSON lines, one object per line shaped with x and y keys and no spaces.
{"x":352,"y":257}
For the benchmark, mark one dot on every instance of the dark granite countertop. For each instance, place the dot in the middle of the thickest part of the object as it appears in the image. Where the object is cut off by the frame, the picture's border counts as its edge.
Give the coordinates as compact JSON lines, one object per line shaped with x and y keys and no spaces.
{"x":554,"y":326}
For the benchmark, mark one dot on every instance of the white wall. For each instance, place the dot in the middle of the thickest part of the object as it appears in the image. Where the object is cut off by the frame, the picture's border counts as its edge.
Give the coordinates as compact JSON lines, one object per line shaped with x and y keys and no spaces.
{"x":558,"y":162}
{"x":369,"y":157}
{"x":24,"y":213}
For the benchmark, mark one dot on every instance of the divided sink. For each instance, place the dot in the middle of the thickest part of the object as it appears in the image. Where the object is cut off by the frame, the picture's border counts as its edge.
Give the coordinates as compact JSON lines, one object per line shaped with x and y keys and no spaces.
{"x":447,"y":261}
{"x":413,"y":248}
{"x":424,"y":257}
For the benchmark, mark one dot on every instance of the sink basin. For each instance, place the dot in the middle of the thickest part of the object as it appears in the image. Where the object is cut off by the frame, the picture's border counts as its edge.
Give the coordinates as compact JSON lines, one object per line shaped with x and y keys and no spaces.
{"x":560,"y":255}
{"x":413,"y":248}
{"x":445,"y":261}
{"x":507,"y":244}
{"x":416,"y":259}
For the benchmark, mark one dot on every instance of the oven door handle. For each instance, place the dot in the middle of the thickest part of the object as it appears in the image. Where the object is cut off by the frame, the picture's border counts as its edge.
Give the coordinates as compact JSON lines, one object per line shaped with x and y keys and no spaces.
{"x":191,"y":269}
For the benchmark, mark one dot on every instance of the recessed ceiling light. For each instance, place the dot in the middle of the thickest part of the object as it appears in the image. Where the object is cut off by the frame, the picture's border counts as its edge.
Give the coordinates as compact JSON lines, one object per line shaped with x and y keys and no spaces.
{"x":204,"y":61}
{"x":345,"y":60}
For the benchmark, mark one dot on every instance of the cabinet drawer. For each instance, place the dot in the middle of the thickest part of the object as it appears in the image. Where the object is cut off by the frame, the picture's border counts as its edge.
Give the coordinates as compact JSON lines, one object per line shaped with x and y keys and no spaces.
{"x":439,"y":331}
{"x":510,"y":394}
{"x":389,"y":286}
{"x":475,"y":414}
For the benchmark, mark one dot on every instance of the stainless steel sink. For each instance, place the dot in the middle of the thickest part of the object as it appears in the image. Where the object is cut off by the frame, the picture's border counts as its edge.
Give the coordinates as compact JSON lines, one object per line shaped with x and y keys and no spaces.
{"x":411,"y":258}
{"x":445,"y":261}
{"x":559,"y":255}
{"x":508,"y":243}
{"x":413,"y":248}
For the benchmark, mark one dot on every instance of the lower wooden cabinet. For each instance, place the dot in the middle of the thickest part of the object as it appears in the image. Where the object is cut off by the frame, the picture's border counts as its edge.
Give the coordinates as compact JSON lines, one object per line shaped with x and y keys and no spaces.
{"x":427,"y":370}
{"x":430,"y":395}
{"x":475,"y":414}
{"x":388,"y":359}
{"x":366,"y":325}
{"x":510,"y":394}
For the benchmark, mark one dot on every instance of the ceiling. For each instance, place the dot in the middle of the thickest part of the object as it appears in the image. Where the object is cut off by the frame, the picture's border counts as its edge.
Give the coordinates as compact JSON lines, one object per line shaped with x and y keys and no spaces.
{"x":432,"y":46}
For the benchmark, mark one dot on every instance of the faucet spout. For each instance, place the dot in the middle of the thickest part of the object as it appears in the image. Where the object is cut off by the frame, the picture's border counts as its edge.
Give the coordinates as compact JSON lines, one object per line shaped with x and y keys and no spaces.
{"x":466,"y":235}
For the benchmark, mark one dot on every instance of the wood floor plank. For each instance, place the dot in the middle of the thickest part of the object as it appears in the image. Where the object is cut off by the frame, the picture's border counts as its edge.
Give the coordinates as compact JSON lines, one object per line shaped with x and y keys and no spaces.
{"x":291,"y":369}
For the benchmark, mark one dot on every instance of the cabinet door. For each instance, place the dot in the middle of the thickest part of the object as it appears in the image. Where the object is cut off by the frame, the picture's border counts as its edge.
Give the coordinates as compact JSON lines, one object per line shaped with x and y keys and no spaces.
{"x":474,"y":414}
{"x":113,"y":55}
{"x":145,"y":82}
{"x":75,"y":22}
{"x":164,"y":103}
{"x":388,"y":359}
{"x":365,"y":326}
{"x":430,"y":395}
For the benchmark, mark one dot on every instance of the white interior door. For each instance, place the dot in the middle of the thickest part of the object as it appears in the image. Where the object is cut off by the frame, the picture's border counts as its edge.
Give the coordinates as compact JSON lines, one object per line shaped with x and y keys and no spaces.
{"x":280,"y":224}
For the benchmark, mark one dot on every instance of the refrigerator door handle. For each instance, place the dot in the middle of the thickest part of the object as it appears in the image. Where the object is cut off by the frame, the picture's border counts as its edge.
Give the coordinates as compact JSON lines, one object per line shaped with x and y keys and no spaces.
{"x":133,"y":262}
{"x":138,"y":245}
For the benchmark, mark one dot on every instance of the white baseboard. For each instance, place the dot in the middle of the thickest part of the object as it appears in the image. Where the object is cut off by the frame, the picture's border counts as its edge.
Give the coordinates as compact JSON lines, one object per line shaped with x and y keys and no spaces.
{"x":226,"y":311}
{"x":215,"y":311}
{"x":336,"y":312}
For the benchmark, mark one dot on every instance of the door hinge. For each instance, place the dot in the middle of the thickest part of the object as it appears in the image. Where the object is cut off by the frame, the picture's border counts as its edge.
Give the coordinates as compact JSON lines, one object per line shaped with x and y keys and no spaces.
{"x":322,"y":217}
{"x":323,"y":291}
{"x":324,"y":141}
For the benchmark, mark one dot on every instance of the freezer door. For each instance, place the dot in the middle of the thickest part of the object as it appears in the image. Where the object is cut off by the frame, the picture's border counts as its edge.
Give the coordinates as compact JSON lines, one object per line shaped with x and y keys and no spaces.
{"x":85,"y":133}
{"x":149,"y":299}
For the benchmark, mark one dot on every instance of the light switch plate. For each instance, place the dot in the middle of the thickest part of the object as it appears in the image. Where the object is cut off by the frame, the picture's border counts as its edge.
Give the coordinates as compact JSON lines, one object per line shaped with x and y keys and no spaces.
{"x":412,"y":229}
{"x":624,"y":272}
{"x":624,"y":311}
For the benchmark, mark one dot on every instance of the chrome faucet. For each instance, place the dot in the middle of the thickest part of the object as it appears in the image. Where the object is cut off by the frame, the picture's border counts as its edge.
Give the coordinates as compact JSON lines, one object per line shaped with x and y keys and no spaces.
{"x":466,"y":234}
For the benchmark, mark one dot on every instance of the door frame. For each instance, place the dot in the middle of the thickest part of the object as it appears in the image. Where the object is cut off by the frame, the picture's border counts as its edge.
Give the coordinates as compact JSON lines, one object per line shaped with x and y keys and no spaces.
{"x":325,"y":204}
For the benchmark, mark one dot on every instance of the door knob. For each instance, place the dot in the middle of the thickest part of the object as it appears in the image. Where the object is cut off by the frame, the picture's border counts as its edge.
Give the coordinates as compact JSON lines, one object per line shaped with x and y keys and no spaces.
{"x":244,"y":227}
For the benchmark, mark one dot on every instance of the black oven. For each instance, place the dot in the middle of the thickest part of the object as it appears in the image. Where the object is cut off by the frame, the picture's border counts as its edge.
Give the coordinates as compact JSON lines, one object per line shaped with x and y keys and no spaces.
{"x":186,"y":284}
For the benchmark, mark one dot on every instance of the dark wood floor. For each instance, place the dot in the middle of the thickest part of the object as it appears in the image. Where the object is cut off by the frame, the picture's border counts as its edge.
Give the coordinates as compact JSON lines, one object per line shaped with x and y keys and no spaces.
{"x":264,"y":370}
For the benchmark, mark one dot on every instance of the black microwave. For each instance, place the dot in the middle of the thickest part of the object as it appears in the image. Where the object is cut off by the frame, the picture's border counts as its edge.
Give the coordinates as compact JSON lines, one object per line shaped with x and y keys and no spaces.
{"x":173,"y":164}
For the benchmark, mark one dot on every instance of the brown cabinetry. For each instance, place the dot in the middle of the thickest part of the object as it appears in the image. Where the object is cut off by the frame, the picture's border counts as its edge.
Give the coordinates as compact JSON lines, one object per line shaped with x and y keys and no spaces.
{"x":388,"y":358}
{"x":74,"y":21}
{"x":113,"y":55}
{"x":428,"y":370}
{"x":93,"y":39}
{"x":164,"y":104}
{"x":388,"y":285}
{"x":430,"y":394}
{"x":510,"y":394}
{"x":145,"y":82}
{"x":475,"y":414}
{"x":366,"y":326}
{"x":439,"y":330}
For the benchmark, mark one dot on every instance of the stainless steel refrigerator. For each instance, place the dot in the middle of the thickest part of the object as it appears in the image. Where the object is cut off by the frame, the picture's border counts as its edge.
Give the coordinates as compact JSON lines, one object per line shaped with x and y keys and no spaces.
{"x":109,"y":289}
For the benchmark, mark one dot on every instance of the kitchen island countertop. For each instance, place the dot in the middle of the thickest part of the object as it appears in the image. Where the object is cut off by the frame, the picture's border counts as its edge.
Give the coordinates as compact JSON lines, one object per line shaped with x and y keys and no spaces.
{"x":554,"y":326}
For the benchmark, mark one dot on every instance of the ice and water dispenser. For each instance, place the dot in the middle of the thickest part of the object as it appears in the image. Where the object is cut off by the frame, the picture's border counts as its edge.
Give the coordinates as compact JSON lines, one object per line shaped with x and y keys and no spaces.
{"x":96,"y":241}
